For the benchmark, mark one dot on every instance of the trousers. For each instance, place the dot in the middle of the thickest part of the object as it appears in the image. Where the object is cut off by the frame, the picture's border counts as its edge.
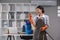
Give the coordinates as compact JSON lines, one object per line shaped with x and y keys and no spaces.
{"x":39,"y":35}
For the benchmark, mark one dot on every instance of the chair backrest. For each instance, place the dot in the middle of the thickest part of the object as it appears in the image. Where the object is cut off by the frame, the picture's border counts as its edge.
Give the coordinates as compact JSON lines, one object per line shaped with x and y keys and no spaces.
{"x":28,"y":27}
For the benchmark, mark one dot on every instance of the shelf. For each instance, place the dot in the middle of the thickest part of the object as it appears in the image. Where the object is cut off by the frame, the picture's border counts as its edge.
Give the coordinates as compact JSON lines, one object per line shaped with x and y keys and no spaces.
{"x":19,"y":34}
{"x":20,"y":16}
{"x":12,"y":7}
{"x":19,"y":7}
{"x":12,"y":23}
{"x":33,"y":7}
{"x":0,"y":7}
{"x":5,"y":7}
{"x":19,"y":29}
{"x":11,"y":15}
{"x":9,"y":29}
{"x":4,"y":15}
{"x":26,"y":8}
{"x":4,"y":23}
{"x":18,"y":24}
{"x":26,"y":13}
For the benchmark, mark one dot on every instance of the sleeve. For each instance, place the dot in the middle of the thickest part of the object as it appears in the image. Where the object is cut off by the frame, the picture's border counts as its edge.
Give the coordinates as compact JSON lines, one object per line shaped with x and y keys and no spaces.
{"x":34,"y":19}
{"x":47,"y":20}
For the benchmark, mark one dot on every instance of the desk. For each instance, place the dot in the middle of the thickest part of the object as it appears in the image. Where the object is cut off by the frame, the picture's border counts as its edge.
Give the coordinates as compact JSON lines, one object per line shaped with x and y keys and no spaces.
{"x":22,"y":36}
{"x":26,"y":36}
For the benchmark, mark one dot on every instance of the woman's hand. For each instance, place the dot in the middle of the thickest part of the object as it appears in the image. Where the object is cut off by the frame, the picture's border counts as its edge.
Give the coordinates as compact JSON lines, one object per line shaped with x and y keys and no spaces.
{"x":44,"y":28}
{"x":30,"y":19}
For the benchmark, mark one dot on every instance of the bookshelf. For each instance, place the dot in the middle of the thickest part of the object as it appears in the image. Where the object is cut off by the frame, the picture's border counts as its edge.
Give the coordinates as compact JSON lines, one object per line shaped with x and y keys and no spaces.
{"x":12,"y":15}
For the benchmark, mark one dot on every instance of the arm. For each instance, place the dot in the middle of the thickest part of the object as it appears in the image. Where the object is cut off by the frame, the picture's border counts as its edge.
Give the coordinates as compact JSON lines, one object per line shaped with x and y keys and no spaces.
{"x":31,"y":20}
{"x":44,"y":28}
{"x":46,"y":24}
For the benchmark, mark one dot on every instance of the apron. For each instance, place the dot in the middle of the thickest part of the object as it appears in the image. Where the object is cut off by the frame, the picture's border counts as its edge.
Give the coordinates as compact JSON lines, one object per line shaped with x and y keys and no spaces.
{"x":38,"y":34}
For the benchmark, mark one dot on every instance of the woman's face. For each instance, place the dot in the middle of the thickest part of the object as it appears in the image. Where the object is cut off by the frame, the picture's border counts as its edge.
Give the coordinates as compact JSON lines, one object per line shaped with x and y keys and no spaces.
{"x":38,"y":11}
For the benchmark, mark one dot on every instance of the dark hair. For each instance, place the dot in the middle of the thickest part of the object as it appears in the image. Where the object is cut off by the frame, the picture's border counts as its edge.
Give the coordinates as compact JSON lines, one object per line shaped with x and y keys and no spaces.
{"x":40,"y":7}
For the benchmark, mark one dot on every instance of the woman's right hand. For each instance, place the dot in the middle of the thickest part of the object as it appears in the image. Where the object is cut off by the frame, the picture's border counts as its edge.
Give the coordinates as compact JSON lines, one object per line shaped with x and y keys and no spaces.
{"x":30,"y":19}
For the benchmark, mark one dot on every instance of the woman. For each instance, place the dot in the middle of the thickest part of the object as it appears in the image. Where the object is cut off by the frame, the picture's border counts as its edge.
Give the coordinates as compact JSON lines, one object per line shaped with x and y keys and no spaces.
{"x":40,"y":15}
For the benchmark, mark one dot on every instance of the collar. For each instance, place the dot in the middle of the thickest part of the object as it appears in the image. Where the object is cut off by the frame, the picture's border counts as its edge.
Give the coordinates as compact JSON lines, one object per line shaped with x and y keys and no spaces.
{"x":41,"y":16}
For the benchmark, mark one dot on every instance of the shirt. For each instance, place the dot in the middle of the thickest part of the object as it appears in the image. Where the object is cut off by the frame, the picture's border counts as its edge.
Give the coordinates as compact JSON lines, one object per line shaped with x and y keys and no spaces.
{"x":46,"y":18}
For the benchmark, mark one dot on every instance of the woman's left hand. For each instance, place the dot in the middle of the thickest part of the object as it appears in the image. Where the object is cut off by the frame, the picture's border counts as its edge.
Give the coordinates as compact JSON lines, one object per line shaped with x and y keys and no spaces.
{"x":44,"y":28}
